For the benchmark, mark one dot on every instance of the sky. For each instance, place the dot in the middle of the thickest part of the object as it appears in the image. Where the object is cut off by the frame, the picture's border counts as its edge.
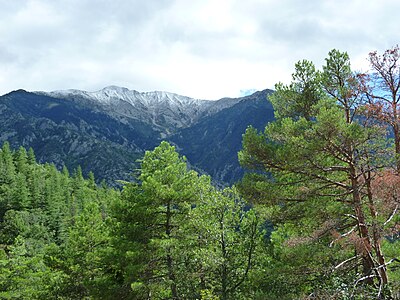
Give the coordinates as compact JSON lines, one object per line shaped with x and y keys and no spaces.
{"x":205,"y":49}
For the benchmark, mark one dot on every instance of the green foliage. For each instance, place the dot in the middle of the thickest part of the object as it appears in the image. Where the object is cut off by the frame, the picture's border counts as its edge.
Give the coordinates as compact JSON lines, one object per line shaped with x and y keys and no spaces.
{"x":23,"y":276}
{"x":149,"y":220}
{"x":52,"y":230}
{"x":314,"y":168}
{"x":316,"y":213}
{"x":177,"y":237}
{"x":226,"y":243}
{"x":297,"y":99}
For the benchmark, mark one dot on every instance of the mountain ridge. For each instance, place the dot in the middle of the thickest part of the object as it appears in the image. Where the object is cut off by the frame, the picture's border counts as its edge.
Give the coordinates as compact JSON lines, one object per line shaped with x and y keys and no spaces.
{"x":167,"y":111}
{"x":108,"y":138}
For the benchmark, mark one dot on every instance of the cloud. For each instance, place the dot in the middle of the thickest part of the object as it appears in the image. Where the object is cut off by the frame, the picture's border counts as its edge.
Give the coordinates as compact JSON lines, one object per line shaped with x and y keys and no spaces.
{"x":204,"y":49}
{"x":247,"y":92}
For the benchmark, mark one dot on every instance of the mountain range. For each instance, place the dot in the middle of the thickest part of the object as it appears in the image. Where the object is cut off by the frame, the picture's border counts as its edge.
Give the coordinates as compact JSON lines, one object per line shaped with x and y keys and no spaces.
{"x":107,"y":131}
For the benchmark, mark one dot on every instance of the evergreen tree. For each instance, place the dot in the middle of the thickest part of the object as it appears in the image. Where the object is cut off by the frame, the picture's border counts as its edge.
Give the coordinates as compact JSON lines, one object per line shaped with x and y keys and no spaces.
{"x":25,"y":276}
{"x":81,"y":258}
{"x":226,"y":236}
{"x":150,"y":225}
{"x":319,"y":171}
{"x":53,"y":231}
{"x":21,"y":160}
{"x":7,"y":179}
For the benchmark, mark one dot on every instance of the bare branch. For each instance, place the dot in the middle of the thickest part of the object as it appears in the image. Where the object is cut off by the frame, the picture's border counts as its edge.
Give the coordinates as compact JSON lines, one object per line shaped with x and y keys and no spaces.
{"x":392,"y":215}
{"x":386,"y":264}
{"x":364,"y":278}
{"x":345,"y":262}
{"x":343,"y":235}
{"x":352,"y":216}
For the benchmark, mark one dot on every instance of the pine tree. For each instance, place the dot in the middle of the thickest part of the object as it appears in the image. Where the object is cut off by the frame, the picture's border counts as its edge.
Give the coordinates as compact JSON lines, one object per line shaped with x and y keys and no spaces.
{"x":7,"y":179}
{"x":319,"y":171}
{"x":225,"y":239}
{"x":150,"y":221}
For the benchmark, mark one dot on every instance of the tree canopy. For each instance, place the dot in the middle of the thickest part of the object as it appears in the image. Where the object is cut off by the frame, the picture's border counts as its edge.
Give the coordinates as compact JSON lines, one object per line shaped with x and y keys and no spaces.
{"x":315,"y":217}
{"x":317,"y":169}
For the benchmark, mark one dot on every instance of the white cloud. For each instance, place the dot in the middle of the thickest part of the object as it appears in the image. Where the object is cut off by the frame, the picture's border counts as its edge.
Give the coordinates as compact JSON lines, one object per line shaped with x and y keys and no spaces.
{"x":204,"y":49}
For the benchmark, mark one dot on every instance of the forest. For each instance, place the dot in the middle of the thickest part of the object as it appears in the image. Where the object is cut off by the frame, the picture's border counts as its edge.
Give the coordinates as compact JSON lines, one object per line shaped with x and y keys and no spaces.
{"x":316,"y":215}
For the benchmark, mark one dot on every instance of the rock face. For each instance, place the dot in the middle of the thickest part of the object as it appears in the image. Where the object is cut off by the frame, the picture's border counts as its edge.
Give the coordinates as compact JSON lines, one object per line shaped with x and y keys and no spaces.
{"x":108,"y":130}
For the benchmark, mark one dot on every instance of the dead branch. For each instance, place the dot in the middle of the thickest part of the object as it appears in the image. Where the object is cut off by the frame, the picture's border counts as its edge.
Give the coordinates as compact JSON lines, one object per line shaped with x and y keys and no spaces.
{"x":343,"y":235}
{"x":392,"y":215}
{"x":345,"y":262}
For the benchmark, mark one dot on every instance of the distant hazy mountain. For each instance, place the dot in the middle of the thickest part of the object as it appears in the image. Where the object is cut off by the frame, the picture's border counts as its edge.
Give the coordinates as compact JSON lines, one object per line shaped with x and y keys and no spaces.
{"x":108,"y":130}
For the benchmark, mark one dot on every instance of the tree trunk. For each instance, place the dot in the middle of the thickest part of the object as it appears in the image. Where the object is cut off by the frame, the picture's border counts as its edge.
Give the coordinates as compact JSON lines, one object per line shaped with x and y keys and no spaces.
{"x":365,"y":247}
{"x":224,"y":271}
{"x":376,"y":234}
{"x":397,"y":146}
{"x":396,"y":132}
{"x":170,"y":265}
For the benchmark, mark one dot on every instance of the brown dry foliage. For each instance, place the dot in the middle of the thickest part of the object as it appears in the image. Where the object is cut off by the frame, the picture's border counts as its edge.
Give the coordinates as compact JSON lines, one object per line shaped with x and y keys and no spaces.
{"x":386,"y":188}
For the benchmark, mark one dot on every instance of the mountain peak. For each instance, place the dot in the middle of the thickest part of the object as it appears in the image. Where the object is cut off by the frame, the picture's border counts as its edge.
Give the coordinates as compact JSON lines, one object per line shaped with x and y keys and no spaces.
{"x":163,"y":110}
{"x":74,"y":127}
{"x":109,"y":94}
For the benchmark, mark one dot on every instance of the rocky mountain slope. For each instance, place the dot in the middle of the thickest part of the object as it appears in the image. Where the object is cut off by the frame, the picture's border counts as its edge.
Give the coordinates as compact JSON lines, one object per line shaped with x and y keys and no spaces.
{"x":108,"y":130}
{"x":164,"y":111}
{"x":213,"y":142}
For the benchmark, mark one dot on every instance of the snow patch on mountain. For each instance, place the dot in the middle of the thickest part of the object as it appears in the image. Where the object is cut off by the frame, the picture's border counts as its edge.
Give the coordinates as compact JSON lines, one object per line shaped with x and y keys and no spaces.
{"x":164,"y":110}
{"x":110,"y":94}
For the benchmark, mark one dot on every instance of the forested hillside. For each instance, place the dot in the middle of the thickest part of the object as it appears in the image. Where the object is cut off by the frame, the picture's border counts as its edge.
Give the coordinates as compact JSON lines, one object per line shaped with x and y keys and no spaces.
{"x":171,"y":235}
{"x":316,"y":216}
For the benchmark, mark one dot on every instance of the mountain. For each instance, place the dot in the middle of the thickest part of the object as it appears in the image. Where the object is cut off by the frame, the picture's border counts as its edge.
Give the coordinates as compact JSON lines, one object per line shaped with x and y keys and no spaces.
{"x":213,"y":142}
{"x":164,"y":111}
{"x":108,"y":130}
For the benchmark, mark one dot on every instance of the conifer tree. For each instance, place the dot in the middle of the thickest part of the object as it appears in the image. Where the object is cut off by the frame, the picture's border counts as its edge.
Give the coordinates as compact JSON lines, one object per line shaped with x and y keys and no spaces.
{"x":155,"y":213}
{"x":7,"y":179}
{"x":319,"y":172}
{"x":225,"y":244}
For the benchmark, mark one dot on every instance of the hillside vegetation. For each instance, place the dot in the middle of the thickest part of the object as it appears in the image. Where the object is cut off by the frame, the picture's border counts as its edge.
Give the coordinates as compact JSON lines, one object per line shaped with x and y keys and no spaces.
{"x":316,"y":216}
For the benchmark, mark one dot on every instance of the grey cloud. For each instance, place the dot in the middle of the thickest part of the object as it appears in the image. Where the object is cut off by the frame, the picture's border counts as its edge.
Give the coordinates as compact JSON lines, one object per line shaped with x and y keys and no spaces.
{"x":7,"y":57}
{"x":90,"y":43}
